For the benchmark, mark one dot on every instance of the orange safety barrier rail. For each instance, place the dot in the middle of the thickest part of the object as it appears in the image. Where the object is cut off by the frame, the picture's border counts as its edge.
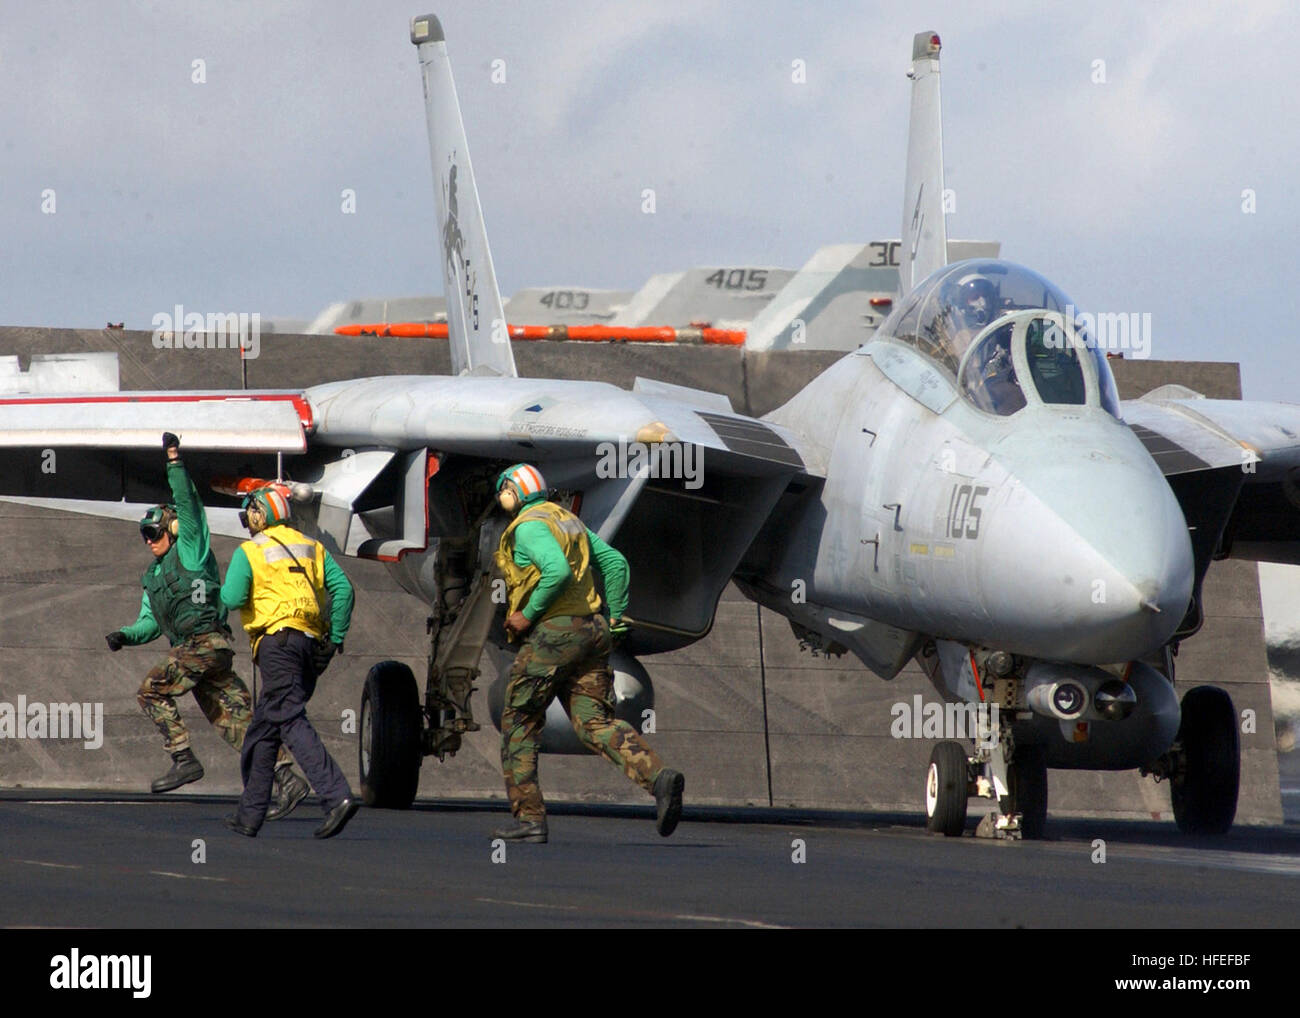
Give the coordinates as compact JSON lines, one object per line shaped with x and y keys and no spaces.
{"x":586,"y":333}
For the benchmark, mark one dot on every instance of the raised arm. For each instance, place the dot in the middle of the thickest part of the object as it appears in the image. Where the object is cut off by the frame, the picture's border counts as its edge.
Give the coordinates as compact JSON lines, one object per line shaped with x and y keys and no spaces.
{"x":193,"y":540}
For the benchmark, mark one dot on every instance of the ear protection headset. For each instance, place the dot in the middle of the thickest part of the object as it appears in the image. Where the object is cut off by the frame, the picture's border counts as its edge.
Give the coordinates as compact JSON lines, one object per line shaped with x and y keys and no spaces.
{"x":508,"y":498}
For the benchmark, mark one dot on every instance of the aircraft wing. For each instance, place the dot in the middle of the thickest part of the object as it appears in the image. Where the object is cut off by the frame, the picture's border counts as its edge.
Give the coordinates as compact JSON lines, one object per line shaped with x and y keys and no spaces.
{"x":489,"y":418}
{"x":1235,"y":466}
{"x":518,"y":418}
{"x":383,"y":467}
{"x":247,"y":420}
{"x":677,"y":482}
{"x":104,"y":449}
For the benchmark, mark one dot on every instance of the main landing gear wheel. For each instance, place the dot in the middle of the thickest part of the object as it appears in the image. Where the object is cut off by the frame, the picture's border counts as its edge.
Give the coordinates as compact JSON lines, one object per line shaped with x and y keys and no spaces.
{"x":1207,"y":771}
{"x":1027,"y":775}
{"x":389,"y":747}
{"x":947,"y":786}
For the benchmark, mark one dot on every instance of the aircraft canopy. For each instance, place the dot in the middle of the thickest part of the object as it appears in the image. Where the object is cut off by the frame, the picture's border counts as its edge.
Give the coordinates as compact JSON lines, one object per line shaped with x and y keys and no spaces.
{"x":1009,"y":336}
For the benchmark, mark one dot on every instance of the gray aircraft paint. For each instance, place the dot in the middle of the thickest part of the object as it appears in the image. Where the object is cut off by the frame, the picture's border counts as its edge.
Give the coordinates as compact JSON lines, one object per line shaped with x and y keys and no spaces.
{"x":724,"y":296}
{"x":475,"y":316}
{"x":565,"y":305}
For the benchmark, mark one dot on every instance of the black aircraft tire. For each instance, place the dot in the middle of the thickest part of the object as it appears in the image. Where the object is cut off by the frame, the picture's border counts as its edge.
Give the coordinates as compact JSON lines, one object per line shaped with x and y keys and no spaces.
{"x":389,"y":747}
{"x":1204,"y":788}
{"x":946,"y":790}
{"x":1028,"y":777}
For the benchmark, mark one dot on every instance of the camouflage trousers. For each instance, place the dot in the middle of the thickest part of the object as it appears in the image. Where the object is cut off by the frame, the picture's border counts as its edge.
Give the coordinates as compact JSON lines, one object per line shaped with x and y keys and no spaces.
{"x":566,"y":656}
{"x":200,"y":665}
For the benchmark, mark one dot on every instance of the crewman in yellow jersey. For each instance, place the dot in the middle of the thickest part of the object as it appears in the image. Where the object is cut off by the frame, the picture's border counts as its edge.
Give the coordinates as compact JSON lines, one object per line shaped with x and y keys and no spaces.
{"x":280,"y":580}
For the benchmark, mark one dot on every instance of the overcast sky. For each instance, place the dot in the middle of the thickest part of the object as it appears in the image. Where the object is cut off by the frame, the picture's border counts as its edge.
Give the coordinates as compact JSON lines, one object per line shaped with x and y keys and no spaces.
{"x":227,"y":194}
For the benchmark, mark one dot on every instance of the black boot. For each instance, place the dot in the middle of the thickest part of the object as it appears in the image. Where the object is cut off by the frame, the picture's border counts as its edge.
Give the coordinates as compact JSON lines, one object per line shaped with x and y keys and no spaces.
{"x":668,"y":798}
{"x":524,"y":830}
{"x":185,"y":768}
{"x":337,"y":818}
{"x":233,"y":823}
{"x":289,"y":790}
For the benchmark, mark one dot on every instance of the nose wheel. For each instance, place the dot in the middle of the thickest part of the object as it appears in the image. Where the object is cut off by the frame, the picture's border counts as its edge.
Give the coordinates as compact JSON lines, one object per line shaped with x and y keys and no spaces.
{"x":947,"y":787}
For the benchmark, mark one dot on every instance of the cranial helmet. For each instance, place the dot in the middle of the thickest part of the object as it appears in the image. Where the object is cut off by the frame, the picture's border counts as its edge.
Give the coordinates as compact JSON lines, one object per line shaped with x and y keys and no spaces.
{"x":272,"y":503}
{"x":159,"y":520}
{"x":527,"y":480}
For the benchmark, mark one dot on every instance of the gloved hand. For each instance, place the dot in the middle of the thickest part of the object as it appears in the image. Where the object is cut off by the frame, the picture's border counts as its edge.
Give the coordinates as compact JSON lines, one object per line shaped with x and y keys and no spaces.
{"x":517,"y":625}
{"x":116,"y":640}
{"x":323,"y":653}
{"x":171,"y":442}
{"x":618,"y":630}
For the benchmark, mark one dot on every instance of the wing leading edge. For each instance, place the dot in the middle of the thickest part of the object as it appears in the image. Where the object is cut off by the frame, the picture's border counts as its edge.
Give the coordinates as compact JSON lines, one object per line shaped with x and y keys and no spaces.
{"x":1234,"y":464}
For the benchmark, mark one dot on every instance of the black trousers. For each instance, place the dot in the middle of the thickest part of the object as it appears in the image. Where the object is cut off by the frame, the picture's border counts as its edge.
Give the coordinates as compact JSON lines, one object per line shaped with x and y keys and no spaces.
{"x":280,"y":715}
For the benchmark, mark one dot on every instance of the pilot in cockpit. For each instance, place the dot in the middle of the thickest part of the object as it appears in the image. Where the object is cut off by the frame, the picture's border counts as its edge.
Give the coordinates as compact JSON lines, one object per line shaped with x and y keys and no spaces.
{"x":969,"y":304}
{"x":976,"y":300}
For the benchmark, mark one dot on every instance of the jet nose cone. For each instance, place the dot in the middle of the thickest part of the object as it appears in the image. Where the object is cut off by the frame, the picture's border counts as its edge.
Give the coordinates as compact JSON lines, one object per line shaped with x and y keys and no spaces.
{"x":1139,"y":581}
{"x":1097,"y":559}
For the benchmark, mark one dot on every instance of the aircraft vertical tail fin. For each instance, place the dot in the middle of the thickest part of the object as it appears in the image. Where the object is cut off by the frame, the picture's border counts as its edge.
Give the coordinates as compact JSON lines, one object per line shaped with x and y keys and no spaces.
{"x":925,"y":235}
{"x":476,"y":323}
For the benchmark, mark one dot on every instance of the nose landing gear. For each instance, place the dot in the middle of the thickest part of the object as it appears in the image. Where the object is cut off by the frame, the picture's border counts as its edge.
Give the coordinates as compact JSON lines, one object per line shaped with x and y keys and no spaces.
{"x":1015,"y":777}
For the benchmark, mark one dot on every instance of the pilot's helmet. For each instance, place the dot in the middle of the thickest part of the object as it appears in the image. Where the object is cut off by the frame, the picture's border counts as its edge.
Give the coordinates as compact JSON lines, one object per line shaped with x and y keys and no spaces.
{"x":976,"y":300}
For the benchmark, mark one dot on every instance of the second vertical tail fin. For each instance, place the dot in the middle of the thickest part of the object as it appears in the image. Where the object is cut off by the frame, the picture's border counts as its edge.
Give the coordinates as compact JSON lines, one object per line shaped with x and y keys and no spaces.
{"x":925,"y":235}
{"x":476,"y":323}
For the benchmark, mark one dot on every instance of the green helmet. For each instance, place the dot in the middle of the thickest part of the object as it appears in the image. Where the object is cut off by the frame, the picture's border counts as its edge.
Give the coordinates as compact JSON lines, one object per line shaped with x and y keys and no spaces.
{"x":158,"y":520}
{"x":527,"y":480}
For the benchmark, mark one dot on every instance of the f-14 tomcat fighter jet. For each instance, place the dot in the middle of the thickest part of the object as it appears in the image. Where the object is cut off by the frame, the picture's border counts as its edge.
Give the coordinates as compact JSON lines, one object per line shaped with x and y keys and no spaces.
{"x":965,"y":489}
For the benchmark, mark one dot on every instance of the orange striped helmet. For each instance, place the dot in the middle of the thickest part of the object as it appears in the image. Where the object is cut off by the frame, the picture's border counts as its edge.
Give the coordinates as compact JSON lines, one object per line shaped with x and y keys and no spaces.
{"x":527,"y":480}
{"x":274,"y":506}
